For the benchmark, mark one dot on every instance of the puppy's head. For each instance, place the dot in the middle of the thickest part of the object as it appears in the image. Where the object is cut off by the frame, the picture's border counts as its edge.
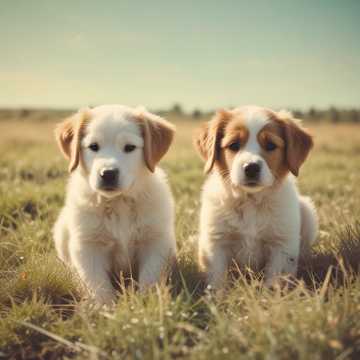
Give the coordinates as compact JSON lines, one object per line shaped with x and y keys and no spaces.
{"x":252,"y":147}
{"x":114,"y":145}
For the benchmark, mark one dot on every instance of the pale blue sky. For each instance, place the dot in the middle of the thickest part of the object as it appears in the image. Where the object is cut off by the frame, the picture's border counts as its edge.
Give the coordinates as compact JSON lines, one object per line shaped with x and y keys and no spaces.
{"x":203,"y":54}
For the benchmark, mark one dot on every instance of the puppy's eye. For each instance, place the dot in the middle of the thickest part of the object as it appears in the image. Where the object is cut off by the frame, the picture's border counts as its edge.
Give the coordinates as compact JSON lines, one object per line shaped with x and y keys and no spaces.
{"x":270,"y":146}
{"x":94,"y":147}
{"x":129,"y":148}
{"x":235,"y":146}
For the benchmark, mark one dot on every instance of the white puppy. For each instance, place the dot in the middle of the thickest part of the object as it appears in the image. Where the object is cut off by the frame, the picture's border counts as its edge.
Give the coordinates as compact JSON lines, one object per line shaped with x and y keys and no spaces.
{"x":251,"y":210}
{"x":119,"y":212}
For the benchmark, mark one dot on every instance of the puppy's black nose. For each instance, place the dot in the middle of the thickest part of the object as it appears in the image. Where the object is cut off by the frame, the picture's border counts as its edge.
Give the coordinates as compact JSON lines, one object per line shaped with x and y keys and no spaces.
{"x":109,"y":176}
{"x":252,"y":170}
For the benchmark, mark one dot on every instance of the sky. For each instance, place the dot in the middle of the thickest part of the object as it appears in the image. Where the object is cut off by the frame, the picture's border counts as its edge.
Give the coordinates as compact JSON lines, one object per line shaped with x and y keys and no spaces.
{"x":202,"y":54}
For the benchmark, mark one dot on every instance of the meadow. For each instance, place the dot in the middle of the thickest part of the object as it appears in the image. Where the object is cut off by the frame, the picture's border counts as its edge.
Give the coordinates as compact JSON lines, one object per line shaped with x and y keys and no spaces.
{"x":43,"y":315}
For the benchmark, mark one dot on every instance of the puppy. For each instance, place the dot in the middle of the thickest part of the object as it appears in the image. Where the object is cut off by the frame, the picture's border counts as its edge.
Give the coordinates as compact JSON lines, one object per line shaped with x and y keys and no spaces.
{"x":119,"y":212}
{"x":252,"y":212}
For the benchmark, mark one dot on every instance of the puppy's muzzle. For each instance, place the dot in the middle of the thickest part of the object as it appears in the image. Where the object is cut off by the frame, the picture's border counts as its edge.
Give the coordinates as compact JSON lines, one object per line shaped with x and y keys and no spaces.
{"x":109,"y":178}
{"x":252,"y":172}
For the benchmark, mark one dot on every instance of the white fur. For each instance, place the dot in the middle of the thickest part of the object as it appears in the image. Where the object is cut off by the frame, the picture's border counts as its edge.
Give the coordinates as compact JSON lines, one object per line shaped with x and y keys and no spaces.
{"x":255,"y":121}
{"x":261,"y":228}
{"x":98,"y":233}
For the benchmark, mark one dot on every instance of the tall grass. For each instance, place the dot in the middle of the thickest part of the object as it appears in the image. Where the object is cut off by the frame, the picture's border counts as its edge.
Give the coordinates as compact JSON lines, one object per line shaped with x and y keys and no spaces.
{"x":43,"y":313}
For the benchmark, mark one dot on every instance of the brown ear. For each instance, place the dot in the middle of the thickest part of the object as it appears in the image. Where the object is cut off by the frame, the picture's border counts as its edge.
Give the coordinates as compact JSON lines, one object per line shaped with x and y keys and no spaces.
{"x":158,"y":135}
{"x":68,"y":135}
{"x":207,"y":138}
{"x":298,"y":143}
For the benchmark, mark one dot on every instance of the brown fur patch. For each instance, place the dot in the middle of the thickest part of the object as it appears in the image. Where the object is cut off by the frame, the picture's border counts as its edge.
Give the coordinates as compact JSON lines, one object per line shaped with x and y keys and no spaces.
{"x":298,"y":141}
{"x":293,"y":142}
{"x":235,"y":132}
{"x":207,"y":140}
{"x":203,"y":261}
{"x":275,"y":159}
{"x":68,"y":135}
{"x":158,"y":135}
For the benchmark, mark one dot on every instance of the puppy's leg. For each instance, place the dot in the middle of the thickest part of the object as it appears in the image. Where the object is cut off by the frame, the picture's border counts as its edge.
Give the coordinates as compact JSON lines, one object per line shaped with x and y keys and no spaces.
{"x":61,"y":237}
{"x":309,"y":223}
{"x":214,"y":262}
{"x":155,"y":261}
{"x":91,"y":261}
{"x":283,"y":261}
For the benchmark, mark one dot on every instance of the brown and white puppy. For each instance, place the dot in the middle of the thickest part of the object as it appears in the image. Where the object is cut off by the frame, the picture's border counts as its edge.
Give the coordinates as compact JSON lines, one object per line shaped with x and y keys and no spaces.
{"x":251,"y":211}
{"x":119,"y":211}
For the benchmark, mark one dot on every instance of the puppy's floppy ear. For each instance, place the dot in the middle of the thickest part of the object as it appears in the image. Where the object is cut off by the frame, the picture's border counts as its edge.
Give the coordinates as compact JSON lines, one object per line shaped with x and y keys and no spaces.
{"x":68,"y":135}
{"x":158,"y":135}
{"x":298,"y":142}
{"x":207,"y":138}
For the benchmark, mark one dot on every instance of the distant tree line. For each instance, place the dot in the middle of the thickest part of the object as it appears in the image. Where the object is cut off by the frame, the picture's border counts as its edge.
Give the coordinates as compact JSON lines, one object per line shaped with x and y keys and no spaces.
{"x":332,"y":114}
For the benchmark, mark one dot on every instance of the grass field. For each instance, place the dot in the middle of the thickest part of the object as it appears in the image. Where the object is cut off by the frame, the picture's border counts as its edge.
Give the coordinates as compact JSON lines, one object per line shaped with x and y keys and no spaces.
{"x":41,"y":312}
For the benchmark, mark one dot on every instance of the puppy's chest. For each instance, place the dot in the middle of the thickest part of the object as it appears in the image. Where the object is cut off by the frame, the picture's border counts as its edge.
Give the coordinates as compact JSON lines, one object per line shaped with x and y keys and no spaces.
{"x":248,"y":224}
{"x":121,"y":224}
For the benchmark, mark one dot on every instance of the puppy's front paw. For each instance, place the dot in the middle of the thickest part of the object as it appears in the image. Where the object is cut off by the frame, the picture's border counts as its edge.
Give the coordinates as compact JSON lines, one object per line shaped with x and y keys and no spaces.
{"x":103,"y":297}
{"x":280,"y":282}
{"x":145,"y":286}
{"x":273,"y":282}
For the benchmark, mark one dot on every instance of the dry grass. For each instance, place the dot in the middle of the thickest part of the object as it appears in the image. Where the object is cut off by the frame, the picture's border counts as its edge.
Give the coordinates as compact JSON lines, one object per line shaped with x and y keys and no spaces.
{"x":41,"y":312}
